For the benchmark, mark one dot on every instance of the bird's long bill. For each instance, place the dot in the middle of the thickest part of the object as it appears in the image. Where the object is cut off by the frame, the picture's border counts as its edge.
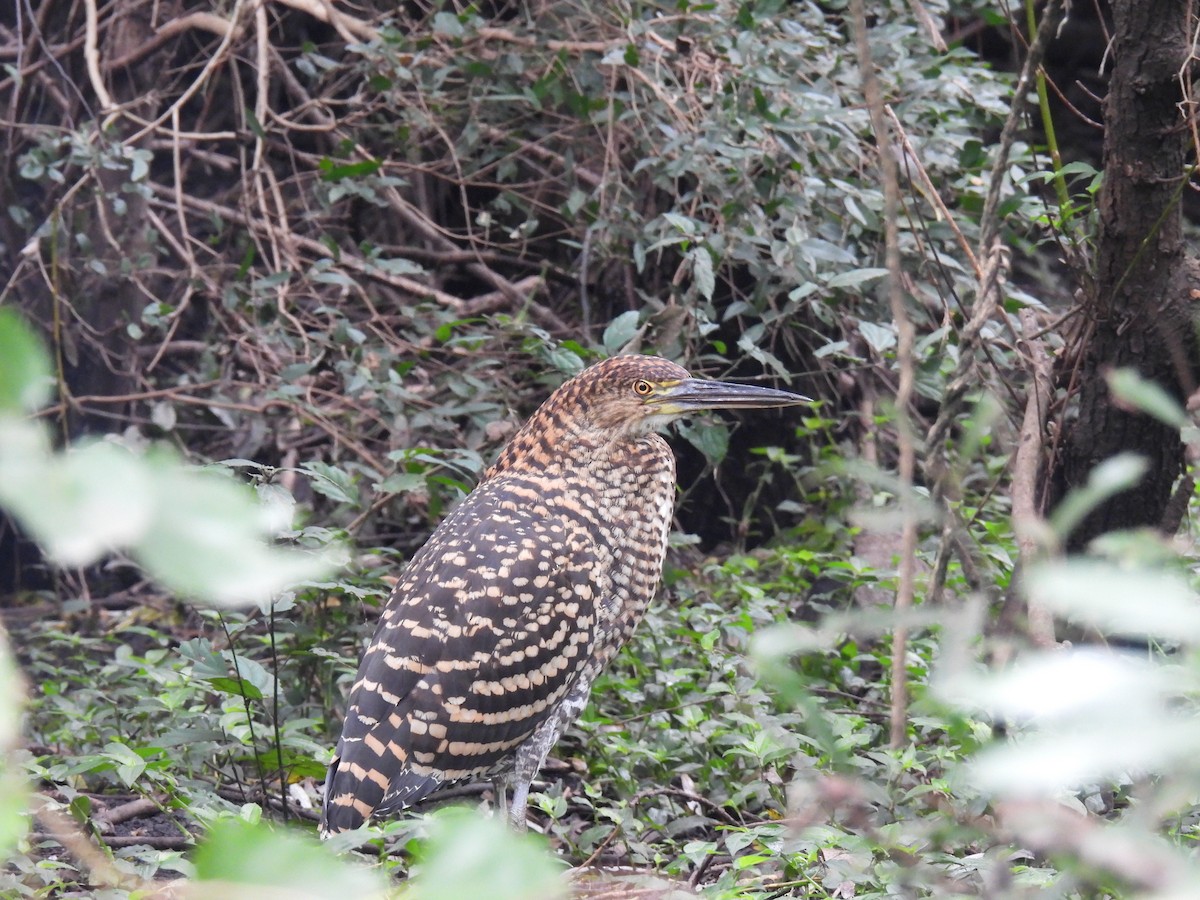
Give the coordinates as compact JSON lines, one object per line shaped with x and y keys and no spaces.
{"x":696,"y":394}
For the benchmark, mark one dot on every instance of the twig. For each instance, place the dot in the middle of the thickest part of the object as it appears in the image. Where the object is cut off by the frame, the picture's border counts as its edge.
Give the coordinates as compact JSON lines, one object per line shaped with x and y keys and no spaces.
{"x":595,"y":855}
{"x":989,"y":225}
{"x":927,"y":22}
{"x":478,"y":268}
{"x":486,"y":303}
{"x":988,"y":299}
{"x":197,"y":21}
{"x":1177,"y":506}
{"x":210,"y":66}
{"x":503,"y":34}
{"x":904,"y":360}
{"x":349,"y":27}
{"x":99,"y":867}
{"x":154,"y":841}
{"x":313,"y":246}
{"x":912,"y":159}
{"x":546,"y":155}
{"x":91,"y":55}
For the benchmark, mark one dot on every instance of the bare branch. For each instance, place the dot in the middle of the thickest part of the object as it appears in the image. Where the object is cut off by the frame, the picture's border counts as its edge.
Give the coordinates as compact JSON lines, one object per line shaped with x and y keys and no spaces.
{"x":1027,"y":467}
{"x":905,"y":337}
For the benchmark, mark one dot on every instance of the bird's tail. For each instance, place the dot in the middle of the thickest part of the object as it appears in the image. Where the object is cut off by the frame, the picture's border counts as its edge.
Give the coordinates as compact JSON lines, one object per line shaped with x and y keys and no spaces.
{"x":354,"y":793}
{"x":351,"y":795}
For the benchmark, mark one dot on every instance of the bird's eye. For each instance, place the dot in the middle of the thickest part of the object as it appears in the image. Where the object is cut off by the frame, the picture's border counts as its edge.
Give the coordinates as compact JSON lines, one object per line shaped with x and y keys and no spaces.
{"x":643,"y":388}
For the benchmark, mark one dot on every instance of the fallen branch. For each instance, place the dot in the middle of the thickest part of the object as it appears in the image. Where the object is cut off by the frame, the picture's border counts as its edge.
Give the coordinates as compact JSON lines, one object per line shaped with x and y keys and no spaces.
{"x":115,"y":815}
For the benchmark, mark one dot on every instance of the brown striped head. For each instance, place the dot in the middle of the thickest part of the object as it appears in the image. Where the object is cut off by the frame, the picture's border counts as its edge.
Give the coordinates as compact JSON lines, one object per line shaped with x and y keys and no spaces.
{"x":627,"y":396}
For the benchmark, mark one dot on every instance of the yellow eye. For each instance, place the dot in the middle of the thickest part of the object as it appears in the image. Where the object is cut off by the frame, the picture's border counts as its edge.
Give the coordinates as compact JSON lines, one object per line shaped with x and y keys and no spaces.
{"x":643,"y":388}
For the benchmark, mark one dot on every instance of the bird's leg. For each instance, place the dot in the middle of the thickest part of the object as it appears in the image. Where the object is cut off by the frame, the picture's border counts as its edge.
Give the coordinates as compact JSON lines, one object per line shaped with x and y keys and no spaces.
{"x":517,"y":812}
{"x":532,"y":753}
{"x":519,"y":781}
{"x":500,"y":786}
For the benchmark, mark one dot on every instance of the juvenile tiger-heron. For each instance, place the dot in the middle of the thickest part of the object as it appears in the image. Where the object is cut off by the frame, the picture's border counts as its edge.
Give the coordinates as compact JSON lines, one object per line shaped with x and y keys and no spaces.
{"x":490,"y":642}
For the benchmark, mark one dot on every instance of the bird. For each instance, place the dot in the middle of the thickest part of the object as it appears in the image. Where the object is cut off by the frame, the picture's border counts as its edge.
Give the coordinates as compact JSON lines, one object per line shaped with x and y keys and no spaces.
{"x":495,"y":631}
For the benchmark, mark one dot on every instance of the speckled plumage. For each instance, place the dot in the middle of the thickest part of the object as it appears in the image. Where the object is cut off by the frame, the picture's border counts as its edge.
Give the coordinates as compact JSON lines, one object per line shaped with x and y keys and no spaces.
{"x":492,"y":638}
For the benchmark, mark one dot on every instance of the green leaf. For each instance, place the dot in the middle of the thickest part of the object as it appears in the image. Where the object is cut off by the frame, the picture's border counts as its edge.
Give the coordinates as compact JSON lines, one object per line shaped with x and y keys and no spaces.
{"x":881,"y":337}
{"x":855,"y":277}
{"x":78,"y":504}
{"x":1089,"y":715}
{"x":336,"y":171}
{"x":207,"y":663}
{"x":1148,"y":396}
{"x":682,"y":223}
{"x":448,"y":24}
{"x":334,"y":483}
{"x":1112,"y":476}
{"x":14,"y":788}
{"x":711,"y":439}
{"x":199,"y":533}
{"x":280,"y":862}
{"x":239,"y":687}
{"x":620,"y":331}
{"x":1118,"y":600}
{"x":471,"y":856}
{"x":25,"y":370}
{"x":207,"y":540}
{"x":129,"y":765}
{"x":702,"y":271}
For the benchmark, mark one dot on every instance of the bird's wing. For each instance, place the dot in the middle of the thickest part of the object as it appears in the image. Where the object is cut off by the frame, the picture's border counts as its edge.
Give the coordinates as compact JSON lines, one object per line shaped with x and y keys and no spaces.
{"x":482,"y":637}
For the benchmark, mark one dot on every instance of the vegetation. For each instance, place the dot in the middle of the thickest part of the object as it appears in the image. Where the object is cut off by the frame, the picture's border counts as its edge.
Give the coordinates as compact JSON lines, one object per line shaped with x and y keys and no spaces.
{"x":294,"y":274}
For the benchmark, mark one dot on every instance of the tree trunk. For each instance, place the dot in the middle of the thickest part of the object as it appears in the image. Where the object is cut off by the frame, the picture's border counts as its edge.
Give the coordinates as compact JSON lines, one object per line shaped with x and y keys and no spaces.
{"x":1137,"y":311}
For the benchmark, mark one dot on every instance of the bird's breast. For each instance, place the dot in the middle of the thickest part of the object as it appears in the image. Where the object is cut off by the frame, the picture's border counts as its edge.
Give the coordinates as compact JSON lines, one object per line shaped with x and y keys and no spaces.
{"x":622,"y":496}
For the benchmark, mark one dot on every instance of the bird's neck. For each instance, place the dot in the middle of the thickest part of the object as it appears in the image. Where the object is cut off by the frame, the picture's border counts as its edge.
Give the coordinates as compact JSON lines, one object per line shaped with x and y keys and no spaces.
{"x":547,"y":443}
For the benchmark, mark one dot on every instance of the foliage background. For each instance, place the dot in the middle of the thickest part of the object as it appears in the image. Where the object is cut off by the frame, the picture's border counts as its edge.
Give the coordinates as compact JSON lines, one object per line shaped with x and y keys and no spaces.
{"x":346,"y":249}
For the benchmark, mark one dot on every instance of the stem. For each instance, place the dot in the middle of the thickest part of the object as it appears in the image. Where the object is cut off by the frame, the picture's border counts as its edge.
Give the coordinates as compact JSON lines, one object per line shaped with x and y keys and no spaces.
{"x":275,"y":716}
{"x":1060,"y":182}
{"x":905,"y":338}
{"x":262,"y":776}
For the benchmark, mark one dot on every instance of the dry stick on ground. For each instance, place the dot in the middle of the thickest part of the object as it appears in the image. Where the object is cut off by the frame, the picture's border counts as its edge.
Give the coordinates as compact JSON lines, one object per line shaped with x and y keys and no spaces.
{"x":1027,"y":466}
{"x":904,"y":357}
{"x":115,"y":815}
{"x":99,"y":867}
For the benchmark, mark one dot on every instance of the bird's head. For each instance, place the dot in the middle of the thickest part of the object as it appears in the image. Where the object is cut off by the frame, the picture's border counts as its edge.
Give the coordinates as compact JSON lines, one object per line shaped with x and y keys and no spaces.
{"x":629,"y":395}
